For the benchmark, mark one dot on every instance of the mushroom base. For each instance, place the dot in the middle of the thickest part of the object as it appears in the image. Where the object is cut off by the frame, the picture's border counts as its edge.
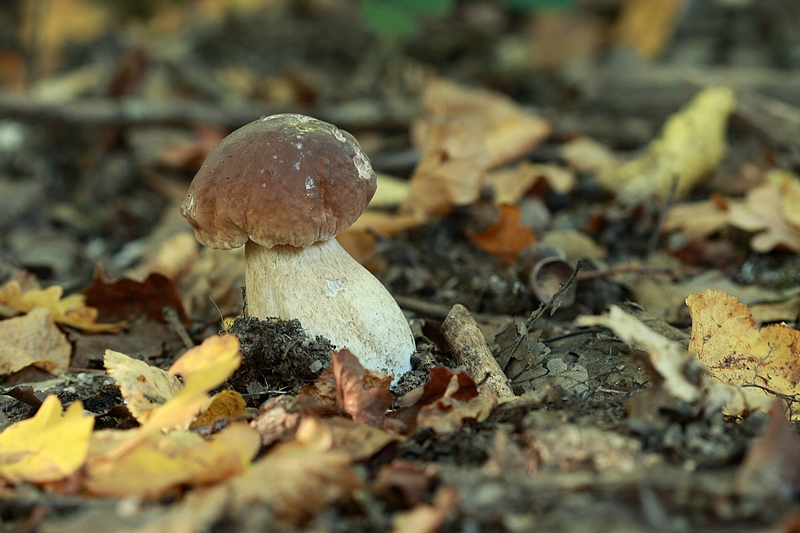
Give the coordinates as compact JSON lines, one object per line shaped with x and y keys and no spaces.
{"x":333,"y":296}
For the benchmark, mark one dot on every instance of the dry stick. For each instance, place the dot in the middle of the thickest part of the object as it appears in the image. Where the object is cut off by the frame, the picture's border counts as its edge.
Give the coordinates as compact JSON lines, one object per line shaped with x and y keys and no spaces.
{"x":470,"y":348}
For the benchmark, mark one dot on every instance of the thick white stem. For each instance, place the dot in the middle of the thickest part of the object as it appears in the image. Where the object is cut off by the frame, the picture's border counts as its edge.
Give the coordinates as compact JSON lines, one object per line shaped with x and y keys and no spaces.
{"x":332,"y":295}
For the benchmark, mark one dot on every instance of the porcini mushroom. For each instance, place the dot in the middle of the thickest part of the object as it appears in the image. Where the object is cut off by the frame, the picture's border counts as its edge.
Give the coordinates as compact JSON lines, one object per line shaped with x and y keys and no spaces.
{"x":284,"y":186}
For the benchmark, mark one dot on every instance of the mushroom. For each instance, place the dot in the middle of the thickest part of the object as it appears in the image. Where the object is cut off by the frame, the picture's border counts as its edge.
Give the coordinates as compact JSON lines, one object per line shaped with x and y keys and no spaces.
{"x":284,"y":186}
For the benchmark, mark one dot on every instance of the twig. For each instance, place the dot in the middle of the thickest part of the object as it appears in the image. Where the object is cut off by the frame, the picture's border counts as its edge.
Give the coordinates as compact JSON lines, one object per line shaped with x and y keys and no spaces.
{"x":624,"y":269}
{"x":662,"y":216}
{"x":174,"y":322}
{"x":470,"y":348}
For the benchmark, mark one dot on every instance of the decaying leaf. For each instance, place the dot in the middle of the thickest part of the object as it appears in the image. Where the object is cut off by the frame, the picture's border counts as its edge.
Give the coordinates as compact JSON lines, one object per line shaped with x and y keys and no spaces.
{"x":363,"y":394}
{"x":726,"y":338}
{"x":226,"y":405}
{"x":450,"y":172}
{"x":425,"y":518}
{"x":33,"y":339}
{"x":505,"y":130}
{"x":143,"y":387}
{"x":697,"y":220}
{"x":47,"y":447}
{"x":509,"y":185}
{"x":360,"y":441}
{"x":691,"y":145}
{"x":161,"y":462}
{"x":507,"y":237}
{"x":465,"y":133}
{"x":771,"y":469}
{"x":667,"y":358}
{"x":299,"y":478}
{"x":69,"y":310}
{"x":762,"y":211}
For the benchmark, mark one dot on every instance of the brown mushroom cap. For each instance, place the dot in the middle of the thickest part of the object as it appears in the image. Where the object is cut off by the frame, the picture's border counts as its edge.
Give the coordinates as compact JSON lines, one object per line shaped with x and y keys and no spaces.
{"x":283,"y":179}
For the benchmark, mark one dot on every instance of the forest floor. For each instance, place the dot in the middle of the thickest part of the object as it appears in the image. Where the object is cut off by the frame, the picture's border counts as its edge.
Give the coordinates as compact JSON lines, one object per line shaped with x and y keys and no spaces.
{"x":589,"y":217}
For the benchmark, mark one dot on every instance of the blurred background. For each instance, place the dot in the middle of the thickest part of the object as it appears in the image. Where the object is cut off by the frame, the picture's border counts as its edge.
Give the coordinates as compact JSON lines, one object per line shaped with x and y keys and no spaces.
{"x":107,"y":108}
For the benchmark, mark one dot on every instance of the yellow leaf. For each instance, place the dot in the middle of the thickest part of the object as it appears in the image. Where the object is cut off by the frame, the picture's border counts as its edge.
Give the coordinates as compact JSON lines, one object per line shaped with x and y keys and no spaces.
{"x":304,"y":475}
{"x":35,"y":340}
{"x":70,"y":310}
{"x":203,"y":367}
{"x":162,"y":462}
{"x":227,"y":405}
{"x":725,"y":337}
{"x":691,"y":145}
{"x":47,"y":447}
{"x":143,"y":387}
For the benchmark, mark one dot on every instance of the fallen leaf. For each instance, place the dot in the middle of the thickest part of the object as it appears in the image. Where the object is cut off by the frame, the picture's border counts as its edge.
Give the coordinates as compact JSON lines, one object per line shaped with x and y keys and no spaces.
{"x":425,"y":518}
{"x":143,"y":387}
{"x":506,"y":131}
{"x":697,"y":220}
{"x":361,"y":393}
{"x":448,"y":415}
{"x":47,"y":447}
{"x":692,"y":144}
{"x":509,"y":185}
{"x":360,"y":441}
{"x":450,"y":172}
{"x":305,"y":476}
{"x":771,"y":468}
{"x":70,"y":310}
{"x":587,"y":155}
{"x":276,"y":420}
{"x":203,"y":367}
{"x":725,"y":338}
{"x":127,"y":299}
{"x":648,"y":25}
{"x":161,"y":462}
{"x":507,"y":237}
{"x":762,"y":211}
{"x":667,"y":358}
{"x":33,"y":339}
{"x":226,"y":405}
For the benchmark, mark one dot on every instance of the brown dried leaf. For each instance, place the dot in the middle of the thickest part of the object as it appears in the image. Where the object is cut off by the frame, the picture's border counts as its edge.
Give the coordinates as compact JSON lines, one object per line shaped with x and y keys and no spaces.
{"x":448,"y":415}
{"x":363,"y":394}
{"x":507,"y":237}
{"x":771,"y":469}
{"x":126,"y":299}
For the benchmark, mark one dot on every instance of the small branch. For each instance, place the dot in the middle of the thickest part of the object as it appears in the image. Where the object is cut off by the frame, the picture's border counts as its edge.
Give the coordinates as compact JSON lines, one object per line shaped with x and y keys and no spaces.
{"x":470,"y":348}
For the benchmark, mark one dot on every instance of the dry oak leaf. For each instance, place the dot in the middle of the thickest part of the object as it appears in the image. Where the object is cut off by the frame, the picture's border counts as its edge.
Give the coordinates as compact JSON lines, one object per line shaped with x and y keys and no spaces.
{"x":507,"y":237}
{"x":203,"y":367}
{"x":725,"y":338}
{"x":47,"y":447}
{"x":297,"y":479}
{"x":692,"y":144}
{"x":448,"y":415}
{"x":161,"y":462}
{"x":33,"y":339}
{"x":69,"y":310}
{"x":762,"y":209}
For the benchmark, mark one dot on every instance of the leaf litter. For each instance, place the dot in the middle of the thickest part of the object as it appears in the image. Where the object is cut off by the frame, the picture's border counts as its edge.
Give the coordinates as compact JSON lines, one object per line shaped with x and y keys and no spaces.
{"x":681,"y":425}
